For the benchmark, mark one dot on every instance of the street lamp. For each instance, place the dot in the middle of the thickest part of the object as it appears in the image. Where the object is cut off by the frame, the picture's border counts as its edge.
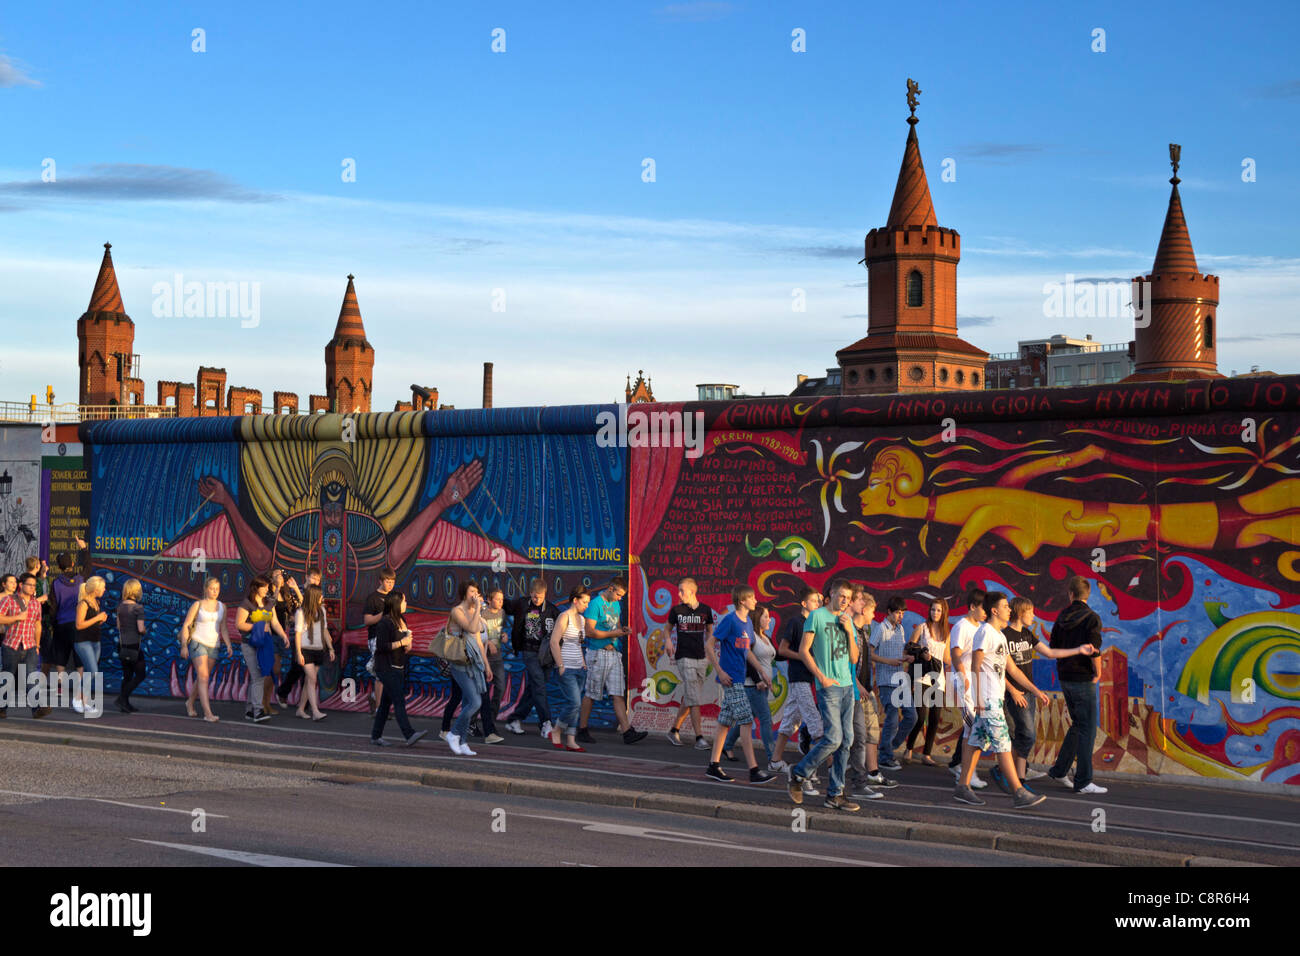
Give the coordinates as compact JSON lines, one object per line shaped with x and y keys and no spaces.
{"x":6,"y":484}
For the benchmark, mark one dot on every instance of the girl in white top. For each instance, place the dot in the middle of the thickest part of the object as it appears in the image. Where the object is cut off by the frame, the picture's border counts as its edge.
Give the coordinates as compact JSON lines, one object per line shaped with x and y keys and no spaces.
{"x":204,"y":626}
{"x":312,"y":647}
{"x":933,"y":635}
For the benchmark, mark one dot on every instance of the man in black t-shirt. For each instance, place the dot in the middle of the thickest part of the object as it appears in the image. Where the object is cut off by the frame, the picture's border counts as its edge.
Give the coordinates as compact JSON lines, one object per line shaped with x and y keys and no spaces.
{"x":534,"y":619}
{"x":800,"y":704}
{"x":374,"y":612}
{"x":693,"y":624}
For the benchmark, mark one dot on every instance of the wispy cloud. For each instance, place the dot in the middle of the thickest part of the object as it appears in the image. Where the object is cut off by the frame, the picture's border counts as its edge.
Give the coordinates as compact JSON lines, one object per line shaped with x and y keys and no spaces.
{"x":13,"y":73}
{"x":135,"y":182}
{"x":856,"y":315}
{"x":976,"y":319}
{"x":1260,"y":337}
{"x":698,"y":12}
{"x":1288,"y":90}
{"x":826,"y":252}
{"x":999,"y":152}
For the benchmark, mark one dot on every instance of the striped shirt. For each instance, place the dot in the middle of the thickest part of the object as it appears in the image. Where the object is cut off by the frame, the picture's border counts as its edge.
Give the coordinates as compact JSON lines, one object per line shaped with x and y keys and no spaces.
{"x":888,"y":641}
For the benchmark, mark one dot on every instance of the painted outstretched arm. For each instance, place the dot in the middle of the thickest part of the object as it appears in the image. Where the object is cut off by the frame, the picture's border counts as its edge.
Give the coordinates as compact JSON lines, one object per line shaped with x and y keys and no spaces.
{"x":458,"y":487}
{"x":981,"y":521}
{"x":1022,"y":475}
{"x":256,"y":554}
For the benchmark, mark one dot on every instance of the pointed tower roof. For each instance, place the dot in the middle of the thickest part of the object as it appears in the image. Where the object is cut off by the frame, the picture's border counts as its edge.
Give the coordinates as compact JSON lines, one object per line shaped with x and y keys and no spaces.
{"x":1174,"y":254}
{"x":349,"y":324}
{"x":912,"y":204}
{"x":106,"y":297}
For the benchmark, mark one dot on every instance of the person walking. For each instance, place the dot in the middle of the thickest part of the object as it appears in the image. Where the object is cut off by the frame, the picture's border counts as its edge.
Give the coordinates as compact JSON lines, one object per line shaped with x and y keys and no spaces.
{"x":255,"y":620}
{"x":494,"y":619}
{"x":373,"y":614}
{"x":20,"y":616}
{"x":65,"y":594}
{"x":1079,"y":674}
{"x":960,"y":643}
{"x":929,"y":648}
{"x":296,"y":673}
{"x":570,"y":668}
{"x":312,"y":648}
{"x":466,"y":625}
{"x":864,"y":756}
{"x":692,"y":622}
{"x":392,"y":644}
{"x":130,"y":636}
{"x":800,"y":708}
{"x":888,"y":640}
{"x":89,"y":637}
{"x":758,"y":683}
{"x":729,"y":648}
{"x":204,"y":628}
{"x":533,"y":619}
{"x":605,"y":664}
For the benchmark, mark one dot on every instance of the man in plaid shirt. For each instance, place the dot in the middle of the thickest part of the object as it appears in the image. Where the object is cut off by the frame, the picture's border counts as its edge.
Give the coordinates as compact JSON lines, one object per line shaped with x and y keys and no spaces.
{"x":886,"y":648}
{"x":21,"y":613}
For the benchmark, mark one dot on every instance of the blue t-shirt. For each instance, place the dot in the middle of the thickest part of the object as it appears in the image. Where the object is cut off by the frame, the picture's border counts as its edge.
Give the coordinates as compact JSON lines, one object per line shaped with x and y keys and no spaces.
{"x":734,"y":638}
{"x":604,"y":614}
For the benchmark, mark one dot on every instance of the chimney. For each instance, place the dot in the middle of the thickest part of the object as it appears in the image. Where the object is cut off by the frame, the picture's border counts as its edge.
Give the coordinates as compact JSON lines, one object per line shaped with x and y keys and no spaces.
{"x":487,"y":384}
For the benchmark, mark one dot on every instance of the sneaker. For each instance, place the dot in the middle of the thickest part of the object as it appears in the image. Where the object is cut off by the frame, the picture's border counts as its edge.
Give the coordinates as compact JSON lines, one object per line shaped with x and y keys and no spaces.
{"x":966,"y":795}
{"x":839,"y":802}
{"x":795,"y":787}
{"x":813,"y":778}
{"x":878,"y":779}
{"x":515,"y":728}
{"x":248,"y":715}
{"x":494,"y":739}
{"x":702,"y":744}
{"x":674,"y":738}
{"x":260,"y":716}
{"x":717,"y":773}
{"x":281,"y":702}
{"x":584,"y":737}
{"x":442,"y":735}
{"x":1001,"y":780}
{"x":761,"y":776}
{"x":1032,"y":774}
{"x":414,"y":739}
{"x":809,"y":789}
{"x":546,"y":729}
{"x":1092,"y":788}
{"x":78,"y":705}
{"x":380,"y":742}
{"x":977,"y":782}
{"x":863,"y":792}
{"x":1024,"y":799}
{"x":955,"y":770}
{"x":632,"y":736}
{"x":890,"y":764}
{"x":1067,"y":781}
{"x":778,"y":766}
{"x":453,"y":742}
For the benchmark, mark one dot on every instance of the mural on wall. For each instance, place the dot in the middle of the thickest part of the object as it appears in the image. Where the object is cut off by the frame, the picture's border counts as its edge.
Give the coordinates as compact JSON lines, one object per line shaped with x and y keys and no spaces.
{"x":502,"y":497}
{"x":65,"y":498}
{"x":20,"y":495}
{"x":1177,"y":501}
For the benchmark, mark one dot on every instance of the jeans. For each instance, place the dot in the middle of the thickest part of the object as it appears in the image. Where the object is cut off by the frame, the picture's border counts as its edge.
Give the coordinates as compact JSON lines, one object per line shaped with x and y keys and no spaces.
{"x":835,"y":704}
{"x":858,"y":752}
{"x":471,"y":699}
{"x":10,"y":658}
{"x":394,"y":696}
{"x":492,"y":703}
{"x":1020,"y":722}
{"x":1081,"y":703}
{"x":569,"y":705}
{"x":88,"y":654}
{"x":893,"y":730}
{"x":534,"y":694}
{"x":762,"y":714}
{"x":255,"y":682}
{"x":486,"y":711}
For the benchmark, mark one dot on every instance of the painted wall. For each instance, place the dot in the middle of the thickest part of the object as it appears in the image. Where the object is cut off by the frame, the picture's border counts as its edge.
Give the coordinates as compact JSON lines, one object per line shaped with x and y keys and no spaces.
{"x":20,"y":495}
{"x":1181,"y":503}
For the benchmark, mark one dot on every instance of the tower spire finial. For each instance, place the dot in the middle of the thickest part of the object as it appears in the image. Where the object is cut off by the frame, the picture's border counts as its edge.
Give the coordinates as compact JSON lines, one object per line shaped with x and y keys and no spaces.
{"x":913,"y":91}
{"x":1175,"y":152}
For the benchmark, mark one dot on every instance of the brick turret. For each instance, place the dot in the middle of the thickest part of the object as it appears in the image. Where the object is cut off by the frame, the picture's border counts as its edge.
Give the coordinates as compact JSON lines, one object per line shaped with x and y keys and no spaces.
{"x":349,"y":359}
{"x":1176,"y":306}
{"x":106,"y":343}
{"x":912,"y":343}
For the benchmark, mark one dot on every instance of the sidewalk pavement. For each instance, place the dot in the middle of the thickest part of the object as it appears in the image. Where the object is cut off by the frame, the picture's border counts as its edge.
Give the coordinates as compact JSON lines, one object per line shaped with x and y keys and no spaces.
{"x":1139,"y":822}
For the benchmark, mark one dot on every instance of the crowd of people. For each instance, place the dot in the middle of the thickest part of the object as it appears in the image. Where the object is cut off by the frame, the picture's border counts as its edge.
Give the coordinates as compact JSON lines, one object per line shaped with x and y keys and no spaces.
{"x":863,"y":697}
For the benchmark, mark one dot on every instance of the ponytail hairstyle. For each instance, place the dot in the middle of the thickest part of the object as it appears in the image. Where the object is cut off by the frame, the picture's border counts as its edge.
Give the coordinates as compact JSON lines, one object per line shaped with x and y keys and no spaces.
{"x":92,"y":583}
{"x":313,"y":604}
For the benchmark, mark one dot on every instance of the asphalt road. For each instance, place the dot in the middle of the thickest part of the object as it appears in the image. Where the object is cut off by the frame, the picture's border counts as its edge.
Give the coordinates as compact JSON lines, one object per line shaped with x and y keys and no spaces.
{"x":61,"y":806}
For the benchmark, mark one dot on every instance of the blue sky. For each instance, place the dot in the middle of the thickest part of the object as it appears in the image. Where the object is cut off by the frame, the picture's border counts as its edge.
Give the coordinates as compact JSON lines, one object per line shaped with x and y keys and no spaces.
{"x":521,"y":171}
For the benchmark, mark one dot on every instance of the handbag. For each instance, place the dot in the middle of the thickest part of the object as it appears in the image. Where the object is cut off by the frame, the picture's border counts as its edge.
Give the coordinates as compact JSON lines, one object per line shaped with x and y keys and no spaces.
{"x":449,"y":647}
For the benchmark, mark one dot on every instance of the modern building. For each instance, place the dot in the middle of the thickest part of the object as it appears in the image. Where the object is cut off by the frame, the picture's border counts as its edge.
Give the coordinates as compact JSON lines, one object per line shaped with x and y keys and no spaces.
{"x":717,"y":392}
{"x":1060,"y":360}
{"x":911,"y":343}
{"x":832,"y":383}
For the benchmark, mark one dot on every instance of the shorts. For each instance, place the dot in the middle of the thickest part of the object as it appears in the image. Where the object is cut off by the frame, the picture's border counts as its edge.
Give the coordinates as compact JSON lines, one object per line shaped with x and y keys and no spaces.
{"x":801,"y":709}
{"x":871,"y":720}
{"x":198,"y":650}
{"x":692,"y":681}
{"x":735,"y":710}
{"x":605,"y":674}
{"x":317,"y":658}
{"x":989,"y":731}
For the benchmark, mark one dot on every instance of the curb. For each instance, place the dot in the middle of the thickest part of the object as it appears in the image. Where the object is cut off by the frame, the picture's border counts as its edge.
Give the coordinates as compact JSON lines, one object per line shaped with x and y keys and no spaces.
{"x":929,"y":833}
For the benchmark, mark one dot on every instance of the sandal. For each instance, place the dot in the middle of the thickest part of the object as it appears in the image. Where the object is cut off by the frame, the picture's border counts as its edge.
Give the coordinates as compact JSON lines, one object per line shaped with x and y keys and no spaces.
{"x":301,"y":715}
{"x":928,"y":761}
{"x":320,"y":718}
{"x":211,"y":718}
{"x":575,"y":749}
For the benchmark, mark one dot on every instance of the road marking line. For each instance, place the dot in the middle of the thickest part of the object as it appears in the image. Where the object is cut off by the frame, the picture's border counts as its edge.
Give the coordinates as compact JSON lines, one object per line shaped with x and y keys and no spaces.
{"x":117,"y":803}
{"x":672,"y":836}
{"x":242,"y":856}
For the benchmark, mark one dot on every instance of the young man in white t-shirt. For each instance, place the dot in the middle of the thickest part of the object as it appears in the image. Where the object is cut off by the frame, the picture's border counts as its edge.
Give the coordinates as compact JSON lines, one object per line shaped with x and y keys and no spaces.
{"x":960,"y":643}
{"x":990,"y":665}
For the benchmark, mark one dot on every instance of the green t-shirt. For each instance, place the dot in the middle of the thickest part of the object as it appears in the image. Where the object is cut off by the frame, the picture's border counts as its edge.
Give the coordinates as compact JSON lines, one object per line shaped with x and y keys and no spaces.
{"x":830,"y":646}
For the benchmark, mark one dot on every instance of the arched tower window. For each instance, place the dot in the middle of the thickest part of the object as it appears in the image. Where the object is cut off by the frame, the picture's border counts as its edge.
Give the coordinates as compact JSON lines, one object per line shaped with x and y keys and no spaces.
{"x":915,"y":297}
{"x":1209,"y":331}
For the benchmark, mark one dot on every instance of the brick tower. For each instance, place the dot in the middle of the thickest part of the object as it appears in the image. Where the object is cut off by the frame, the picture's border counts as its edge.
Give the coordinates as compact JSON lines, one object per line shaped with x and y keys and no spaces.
{"x":106,"y":344}
{"x":349,"y":360}
{"x":912,"y":343}
{"x":1175,"y":305}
